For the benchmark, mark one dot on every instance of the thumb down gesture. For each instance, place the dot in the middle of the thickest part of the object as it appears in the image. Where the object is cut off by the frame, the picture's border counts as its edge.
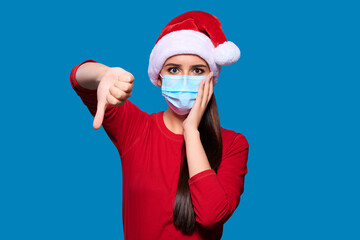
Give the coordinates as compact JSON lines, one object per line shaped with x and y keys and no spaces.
{"x":114,"y":88}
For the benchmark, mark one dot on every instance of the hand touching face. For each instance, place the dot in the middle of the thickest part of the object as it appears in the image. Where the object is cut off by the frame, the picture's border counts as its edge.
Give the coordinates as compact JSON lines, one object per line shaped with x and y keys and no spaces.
{"x":196,"y":113}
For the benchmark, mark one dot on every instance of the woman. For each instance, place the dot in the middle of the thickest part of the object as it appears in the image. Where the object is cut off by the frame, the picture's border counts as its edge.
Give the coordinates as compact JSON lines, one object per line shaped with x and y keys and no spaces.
{"x":183,"y":173}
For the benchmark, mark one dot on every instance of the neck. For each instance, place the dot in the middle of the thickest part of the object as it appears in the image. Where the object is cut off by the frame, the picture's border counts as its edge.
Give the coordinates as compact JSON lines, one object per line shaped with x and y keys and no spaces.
{"x":173,"y":121}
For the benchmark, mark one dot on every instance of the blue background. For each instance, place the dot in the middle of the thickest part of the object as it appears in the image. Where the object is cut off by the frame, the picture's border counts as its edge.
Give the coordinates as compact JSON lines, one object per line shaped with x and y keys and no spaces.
{"x":294,"y":94}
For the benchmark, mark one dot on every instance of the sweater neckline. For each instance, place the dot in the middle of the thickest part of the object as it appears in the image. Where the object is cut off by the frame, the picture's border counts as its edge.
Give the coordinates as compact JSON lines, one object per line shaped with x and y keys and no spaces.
{"x":166,"y":131}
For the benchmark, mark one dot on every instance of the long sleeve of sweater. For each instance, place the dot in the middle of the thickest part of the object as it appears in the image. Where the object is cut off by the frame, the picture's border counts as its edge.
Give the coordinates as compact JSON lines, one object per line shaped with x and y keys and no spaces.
{"x":123,"y":124}
{"x":215,"y":196}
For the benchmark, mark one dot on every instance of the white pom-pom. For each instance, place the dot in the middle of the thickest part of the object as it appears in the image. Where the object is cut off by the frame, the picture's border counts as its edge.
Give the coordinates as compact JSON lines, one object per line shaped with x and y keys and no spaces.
{"x":226,"y":53}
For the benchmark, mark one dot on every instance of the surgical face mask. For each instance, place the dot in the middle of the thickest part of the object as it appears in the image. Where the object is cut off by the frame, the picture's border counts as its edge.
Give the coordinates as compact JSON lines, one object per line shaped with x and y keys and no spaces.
{"x":180,"y":91}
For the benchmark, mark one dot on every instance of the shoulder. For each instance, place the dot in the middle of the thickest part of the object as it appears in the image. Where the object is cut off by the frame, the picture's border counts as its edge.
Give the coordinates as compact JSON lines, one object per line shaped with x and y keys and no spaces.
{"x":232,"y":139}
{"x":233,"y":142}
{"x":235,"y":152}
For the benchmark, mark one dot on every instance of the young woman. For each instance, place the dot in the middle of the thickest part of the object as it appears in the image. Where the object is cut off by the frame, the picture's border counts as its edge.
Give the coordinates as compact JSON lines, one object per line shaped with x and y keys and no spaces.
{"x":183,"y":174}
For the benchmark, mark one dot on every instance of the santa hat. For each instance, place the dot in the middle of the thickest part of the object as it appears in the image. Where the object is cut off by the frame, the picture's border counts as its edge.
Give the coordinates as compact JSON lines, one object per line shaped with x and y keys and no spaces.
{"x":194,"y":32}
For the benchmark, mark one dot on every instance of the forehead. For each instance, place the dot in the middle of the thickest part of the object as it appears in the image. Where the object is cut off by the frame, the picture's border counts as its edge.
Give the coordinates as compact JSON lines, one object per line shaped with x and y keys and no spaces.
{"x":186,"y":59}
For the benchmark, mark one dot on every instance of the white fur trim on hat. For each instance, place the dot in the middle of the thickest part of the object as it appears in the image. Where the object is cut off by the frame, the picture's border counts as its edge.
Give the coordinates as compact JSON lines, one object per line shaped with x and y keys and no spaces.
{"x":182,"y":42}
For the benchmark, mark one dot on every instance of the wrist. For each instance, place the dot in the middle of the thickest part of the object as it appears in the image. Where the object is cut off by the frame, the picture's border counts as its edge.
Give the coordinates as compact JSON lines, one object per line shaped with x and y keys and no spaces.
{"x":191,"y":132}
{"x":102,"y":71}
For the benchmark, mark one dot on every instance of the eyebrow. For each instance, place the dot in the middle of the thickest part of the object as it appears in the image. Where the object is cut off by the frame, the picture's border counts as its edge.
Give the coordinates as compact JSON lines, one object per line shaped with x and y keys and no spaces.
{"x":179,"y":65}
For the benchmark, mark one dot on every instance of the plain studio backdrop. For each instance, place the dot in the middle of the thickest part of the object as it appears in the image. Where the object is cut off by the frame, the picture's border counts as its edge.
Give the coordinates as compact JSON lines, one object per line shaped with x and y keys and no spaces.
{"x":294,"y":94}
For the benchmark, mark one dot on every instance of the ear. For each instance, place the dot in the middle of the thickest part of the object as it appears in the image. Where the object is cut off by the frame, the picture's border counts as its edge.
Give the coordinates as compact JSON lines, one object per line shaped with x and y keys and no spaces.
{"x":159,"y":81}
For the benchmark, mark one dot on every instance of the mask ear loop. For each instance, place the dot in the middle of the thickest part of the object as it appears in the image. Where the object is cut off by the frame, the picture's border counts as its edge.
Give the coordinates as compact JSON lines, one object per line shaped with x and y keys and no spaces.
{"x":162,"y":79}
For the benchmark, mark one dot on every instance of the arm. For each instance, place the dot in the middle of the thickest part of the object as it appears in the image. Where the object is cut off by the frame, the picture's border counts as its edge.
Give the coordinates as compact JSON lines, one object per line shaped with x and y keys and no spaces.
{"x":89,"y":74}
{"x":195,"y":153}
{"x":123,"y":123}
{"x":215,"y":196}
{"x":112,"y":85}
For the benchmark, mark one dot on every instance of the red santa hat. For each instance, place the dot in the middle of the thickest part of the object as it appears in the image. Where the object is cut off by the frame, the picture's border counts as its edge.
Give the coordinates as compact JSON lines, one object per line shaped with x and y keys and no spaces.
{"x":194,"y":32}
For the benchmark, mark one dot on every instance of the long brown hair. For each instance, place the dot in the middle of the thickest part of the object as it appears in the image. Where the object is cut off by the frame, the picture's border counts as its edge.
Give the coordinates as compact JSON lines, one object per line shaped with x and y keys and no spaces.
{"x":211,"y":139}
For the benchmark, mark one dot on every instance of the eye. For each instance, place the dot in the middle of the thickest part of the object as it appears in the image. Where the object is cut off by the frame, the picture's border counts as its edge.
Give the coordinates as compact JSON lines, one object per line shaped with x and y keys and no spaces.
{"x":198,"y":71}
{"x":170,"y":70}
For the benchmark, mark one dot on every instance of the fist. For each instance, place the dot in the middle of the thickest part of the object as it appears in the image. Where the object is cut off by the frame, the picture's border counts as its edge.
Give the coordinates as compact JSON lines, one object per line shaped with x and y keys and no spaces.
{"x":114,"y":88}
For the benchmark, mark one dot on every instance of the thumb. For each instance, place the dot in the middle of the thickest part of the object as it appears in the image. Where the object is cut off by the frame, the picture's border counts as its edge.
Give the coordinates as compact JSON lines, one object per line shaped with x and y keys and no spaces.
{"x":100,"y":112}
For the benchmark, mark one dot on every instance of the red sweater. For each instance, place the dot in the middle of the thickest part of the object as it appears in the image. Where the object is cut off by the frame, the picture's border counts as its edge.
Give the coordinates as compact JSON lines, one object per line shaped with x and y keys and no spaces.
{"x":150,"y":156}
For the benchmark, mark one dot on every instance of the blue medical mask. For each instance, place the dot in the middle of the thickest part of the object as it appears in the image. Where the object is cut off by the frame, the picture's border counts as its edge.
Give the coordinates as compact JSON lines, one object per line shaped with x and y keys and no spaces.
{"x":180,"y":91}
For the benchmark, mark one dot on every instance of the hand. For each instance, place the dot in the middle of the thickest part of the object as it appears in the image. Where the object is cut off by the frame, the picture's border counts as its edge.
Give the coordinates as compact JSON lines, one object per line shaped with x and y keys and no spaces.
{"x":114,"y":88}
{"x":203,"y":97}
